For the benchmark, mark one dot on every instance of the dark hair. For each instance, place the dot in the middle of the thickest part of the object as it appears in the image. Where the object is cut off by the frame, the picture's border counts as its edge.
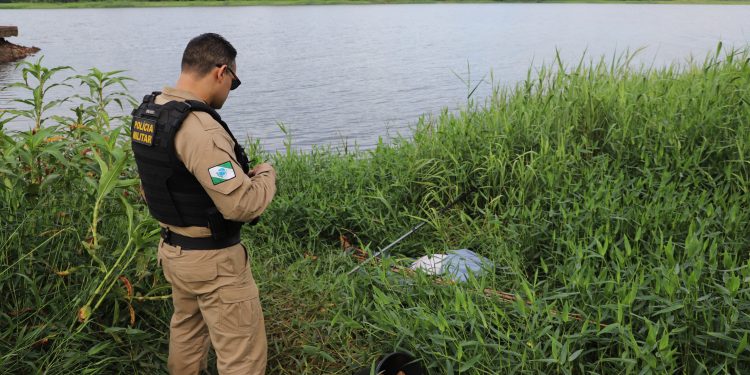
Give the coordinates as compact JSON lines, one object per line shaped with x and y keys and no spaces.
{"x":205,"y":51}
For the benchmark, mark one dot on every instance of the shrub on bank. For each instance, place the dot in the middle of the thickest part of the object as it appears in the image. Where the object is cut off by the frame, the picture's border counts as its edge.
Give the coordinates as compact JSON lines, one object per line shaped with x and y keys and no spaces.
{"x":613,"y":201}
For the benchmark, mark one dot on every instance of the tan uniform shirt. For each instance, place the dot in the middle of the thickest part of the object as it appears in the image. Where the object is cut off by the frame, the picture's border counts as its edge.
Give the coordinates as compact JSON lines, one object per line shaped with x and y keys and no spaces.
{"x":202,"y":144}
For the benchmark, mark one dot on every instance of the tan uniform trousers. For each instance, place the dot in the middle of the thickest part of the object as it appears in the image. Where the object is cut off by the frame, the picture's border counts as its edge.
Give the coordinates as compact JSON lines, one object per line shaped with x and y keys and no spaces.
{"x":215,"y":302}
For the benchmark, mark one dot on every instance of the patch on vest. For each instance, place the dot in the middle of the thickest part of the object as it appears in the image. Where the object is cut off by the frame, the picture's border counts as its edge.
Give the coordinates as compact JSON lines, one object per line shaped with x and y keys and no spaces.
{"x":222,"y":172}
{"x":143,"y":131}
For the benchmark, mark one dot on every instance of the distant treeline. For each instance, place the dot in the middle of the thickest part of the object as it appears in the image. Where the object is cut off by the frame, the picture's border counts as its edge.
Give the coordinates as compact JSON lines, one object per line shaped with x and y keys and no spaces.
{"x":88,"y":1}
{"x":287,"y":2}
{"x":29,"y":4}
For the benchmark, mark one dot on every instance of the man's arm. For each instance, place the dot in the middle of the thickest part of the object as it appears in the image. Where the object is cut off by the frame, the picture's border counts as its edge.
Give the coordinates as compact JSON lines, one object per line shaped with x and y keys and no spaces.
{"x":208,"y":153}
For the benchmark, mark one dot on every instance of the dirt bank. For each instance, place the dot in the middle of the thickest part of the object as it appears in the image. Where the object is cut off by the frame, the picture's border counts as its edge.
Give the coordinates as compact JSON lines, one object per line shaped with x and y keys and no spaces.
{"x":11,"y":52}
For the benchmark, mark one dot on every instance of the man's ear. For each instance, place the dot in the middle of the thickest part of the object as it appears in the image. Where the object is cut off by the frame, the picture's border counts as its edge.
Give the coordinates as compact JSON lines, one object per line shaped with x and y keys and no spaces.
{"x":221,"y":73}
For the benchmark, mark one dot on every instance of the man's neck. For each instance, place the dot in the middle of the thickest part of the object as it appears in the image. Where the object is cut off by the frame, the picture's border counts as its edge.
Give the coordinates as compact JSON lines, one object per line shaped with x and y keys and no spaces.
{"x":187,"y":83}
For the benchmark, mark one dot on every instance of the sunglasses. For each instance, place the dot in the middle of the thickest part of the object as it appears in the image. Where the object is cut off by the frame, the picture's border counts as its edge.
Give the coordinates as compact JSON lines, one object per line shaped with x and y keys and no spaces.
{"x":235,"y":81}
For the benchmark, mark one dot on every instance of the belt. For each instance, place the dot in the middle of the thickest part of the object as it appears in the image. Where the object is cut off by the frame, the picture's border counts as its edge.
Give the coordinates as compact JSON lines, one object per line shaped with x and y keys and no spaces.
{"x":203,"y":243}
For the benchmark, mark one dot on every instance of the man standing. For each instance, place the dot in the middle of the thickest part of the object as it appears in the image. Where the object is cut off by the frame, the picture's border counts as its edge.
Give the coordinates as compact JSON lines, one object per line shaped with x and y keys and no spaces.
{"x":197,"y":182}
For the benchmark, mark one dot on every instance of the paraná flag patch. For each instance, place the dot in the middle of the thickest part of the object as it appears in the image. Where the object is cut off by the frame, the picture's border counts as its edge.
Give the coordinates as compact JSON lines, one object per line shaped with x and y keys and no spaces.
{"x":222,"y":172}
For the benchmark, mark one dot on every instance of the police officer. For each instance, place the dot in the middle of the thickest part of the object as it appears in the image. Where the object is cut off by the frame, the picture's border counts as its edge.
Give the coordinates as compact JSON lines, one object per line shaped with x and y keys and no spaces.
{"x":198,"y":184}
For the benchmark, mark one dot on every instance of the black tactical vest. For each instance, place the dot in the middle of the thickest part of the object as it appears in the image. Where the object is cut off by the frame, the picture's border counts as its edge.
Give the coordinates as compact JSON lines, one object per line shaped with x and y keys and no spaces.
{"x":173,"y":195}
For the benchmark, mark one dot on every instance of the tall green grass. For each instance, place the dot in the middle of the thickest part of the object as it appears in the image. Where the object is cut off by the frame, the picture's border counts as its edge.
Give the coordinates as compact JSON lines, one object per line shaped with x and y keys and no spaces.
{"x":601,"y":191}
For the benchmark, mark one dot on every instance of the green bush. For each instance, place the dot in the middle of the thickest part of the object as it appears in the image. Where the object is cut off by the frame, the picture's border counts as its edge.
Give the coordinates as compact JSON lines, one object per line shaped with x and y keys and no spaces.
{"x":613,"y":201}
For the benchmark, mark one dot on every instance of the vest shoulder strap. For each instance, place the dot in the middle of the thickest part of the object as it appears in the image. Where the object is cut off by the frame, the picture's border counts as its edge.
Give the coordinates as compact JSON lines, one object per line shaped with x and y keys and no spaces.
{"x":196,"y":105}
{"x":150,"y":98}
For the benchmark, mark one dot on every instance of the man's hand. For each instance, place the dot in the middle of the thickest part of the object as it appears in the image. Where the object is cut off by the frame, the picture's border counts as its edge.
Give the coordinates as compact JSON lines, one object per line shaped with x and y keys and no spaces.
{"x":260,"y":168}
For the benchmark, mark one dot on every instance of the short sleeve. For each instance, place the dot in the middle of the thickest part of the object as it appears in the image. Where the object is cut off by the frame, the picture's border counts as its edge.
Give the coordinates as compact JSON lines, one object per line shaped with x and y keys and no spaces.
{"x":209,"y":156}
{"x":218,"y":170}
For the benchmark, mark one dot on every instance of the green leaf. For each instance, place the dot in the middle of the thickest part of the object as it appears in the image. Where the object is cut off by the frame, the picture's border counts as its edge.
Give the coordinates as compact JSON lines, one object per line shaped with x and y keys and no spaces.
{"x":467,"y":365}
{"x":133,"y":331}
{"x":743,"y":345}
{"x":722,"y":336}
{"x":575,"y":355}
{"x":103,"y":167}
{"x":664,"y":342}
{"x":100,"y":346}
{"x":128,"y":212}
{"x":109,"y":180}
{"x":669,"y":309}
{"x":609,"y":329}
{"x":317,"y":352}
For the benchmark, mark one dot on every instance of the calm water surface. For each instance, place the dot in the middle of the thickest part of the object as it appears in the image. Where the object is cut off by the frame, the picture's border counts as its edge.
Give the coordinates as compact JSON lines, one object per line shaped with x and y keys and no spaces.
{"x":335,"y":74}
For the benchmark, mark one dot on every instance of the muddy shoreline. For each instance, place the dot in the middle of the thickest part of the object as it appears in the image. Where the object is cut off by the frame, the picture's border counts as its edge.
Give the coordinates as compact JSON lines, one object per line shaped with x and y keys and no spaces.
{"x":10,"y":52}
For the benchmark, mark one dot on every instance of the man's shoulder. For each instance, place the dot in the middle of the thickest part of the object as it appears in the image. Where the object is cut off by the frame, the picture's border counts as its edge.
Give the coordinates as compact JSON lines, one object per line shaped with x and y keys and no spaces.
{"x":195,"y":120}
{"x":200,"y":120}
{"x":202,"y":127}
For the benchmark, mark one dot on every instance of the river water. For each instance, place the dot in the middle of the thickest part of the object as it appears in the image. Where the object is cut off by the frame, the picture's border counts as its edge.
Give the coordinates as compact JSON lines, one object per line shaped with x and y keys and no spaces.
{"x":355,"y":73}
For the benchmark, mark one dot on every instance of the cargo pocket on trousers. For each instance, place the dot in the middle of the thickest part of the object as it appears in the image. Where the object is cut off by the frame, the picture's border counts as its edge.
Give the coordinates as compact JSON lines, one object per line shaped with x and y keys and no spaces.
{"x":195,"y":273}
{"x":240,"y":307}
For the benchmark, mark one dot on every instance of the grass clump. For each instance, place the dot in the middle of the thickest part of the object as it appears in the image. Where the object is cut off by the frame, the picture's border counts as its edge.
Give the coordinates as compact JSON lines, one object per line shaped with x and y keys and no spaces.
{"x":613,"y":201}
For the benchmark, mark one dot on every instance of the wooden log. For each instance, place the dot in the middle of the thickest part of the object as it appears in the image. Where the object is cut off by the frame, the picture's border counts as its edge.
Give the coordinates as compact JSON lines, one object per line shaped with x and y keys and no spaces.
{"x":8,"y":31}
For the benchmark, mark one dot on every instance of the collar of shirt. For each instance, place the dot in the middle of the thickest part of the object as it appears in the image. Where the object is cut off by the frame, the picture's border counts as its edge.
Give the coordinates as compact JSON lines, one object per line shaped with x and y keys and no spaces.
{"x":180,"y":94}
